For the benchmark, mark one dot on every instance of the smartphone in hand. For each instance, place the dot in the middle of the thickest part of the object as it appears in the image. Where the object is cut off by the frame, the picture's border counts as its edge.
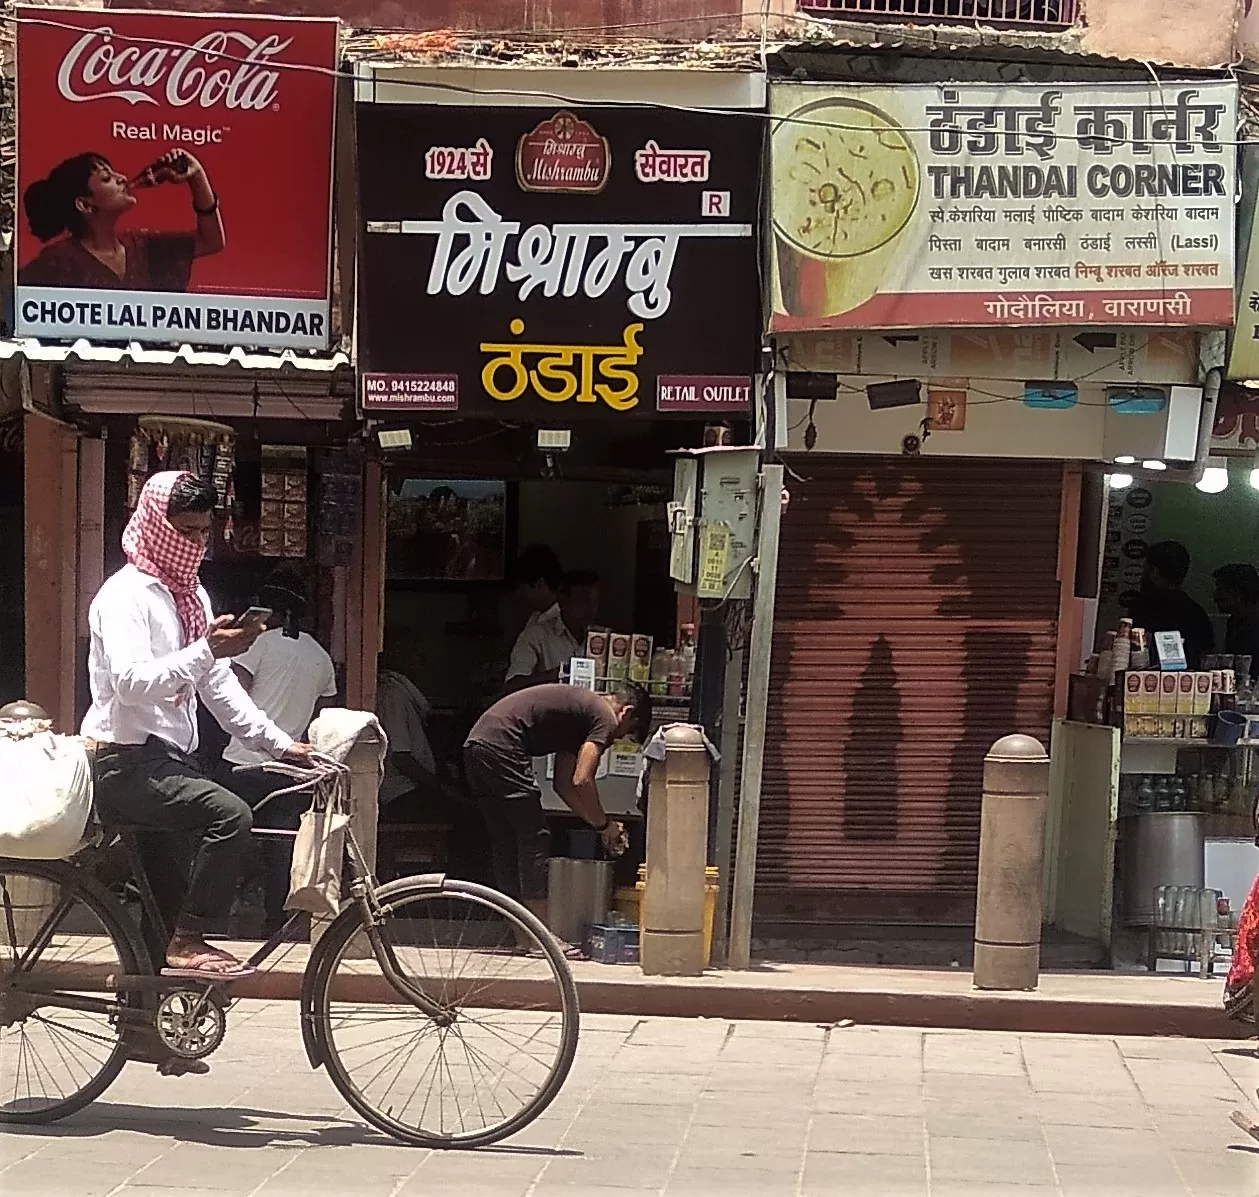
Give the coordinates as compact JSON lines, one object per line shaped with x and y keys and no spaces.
{"x":254,"y":616}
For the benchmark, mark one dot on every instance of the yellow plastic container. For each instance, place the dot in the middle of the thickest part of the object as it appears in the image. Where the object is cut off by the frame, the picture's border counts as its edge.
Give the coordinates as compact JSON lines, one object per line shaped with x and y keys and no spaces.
{"x":626,"y":900}
{"x":711,"y":880}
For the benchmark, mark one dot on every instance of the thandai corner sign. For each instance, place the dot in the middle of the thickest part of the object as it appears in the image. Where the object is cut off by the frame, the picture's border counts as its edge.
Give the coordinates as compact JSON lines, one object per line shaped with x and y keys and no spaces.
{"x":589,"y":263}
{"x":980,"y":205}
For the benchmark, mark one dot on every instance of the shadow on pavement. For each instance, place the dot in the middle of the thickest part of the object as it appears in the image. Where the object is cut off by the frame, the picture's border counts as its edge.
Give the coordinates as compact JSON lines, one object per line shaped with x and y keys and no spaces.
{"x":238,"y":1127}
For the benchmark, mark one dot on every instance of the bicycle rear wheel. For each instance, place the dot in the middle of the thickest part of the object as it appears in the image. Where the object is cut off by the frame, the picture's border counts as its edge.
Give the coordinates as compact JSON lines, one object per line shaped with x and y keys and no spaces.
{"x":59,"y":930}
{"x":508,"y":992}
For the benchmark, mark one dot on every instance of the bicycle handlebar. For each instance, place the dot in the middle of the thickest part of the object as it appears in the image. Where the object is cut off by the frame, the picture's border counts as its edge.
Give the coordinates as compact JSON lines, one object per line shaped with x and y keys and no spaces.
{"x":320,"y":766}
{"x":306,"y":776}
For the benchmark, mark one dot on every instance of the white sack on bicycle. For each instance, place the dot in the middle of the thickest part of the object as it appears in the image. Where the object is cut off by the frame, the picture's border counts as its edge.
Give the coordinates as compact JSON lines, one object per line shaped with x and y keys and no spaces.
{"x":47,"y":794}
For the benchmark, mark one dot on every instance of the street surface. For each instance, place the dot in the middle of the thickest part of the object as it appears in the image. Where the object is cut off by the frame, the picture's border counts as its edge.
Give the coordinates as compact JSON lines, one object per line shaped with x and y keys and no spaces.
{"x":693,"y":1108}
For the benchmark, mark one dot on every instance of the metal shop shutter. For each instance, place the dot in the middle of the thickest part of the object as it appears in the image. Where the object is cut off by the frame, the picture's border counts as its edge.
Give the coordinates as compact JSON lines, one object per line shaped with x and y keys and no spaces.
{"x":916,"y":622}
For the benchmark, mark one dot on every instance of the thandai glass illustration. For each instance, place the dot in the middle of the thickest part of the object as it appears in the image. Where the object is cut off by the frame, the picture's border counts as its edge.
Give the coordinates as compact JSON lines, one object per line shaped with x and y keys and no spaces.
{"x":846,"y":182}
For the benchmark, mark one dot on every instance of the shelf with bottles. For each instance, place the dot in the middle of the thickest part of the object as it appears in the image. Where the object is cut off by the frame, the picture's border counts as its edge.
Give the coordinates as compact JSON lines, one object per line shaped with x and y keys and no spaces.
{"x":668,"y":674}
{"x":1206,"y":782}
{"x":1140,"y":684}
{"x":679,"y":698}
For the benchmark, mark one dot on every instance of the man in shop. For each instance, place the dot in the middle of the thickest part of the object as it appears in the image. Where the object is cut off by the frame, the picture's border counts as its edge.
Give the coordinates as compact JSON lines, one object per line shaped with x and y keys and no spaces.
{"x":536,"y":576}
{"x":290,"y":675}
{"x":156,"y":651}
{"x":403,"y":711}
{"x":1162,"y":605}
{"x":578,"y":726}
{"x":557,"y":635}
{"x":1237,"y":596}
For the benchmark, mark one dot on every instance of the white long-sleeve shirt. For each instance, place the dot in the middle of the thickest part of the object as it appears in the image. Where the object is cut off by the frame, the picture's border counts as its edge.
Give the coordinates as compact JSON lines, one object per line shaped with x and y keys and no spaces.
{"x":144,"y":684}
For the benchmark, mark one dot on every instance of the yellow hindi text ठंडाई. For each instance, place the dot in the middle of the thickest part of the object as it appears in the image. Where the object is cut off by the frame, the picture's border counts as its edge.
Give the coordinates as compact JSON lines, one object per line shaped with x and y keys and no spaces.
{"x":563,"y":372}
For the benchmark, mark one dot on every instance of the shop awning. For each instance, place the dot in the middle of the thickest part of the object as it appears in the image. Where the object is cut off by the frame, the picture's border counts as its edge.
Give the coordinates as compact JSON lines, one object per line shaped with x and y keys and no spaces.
{"x":216,"y":384}
{"x":185,"y":355}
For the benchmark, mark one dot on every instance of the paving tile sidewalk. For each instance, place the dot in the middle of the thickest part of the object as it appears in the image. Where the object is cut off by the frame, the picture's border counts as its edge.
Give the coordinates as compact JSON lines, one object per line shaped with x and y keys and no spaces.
{"x":689,"y":1108}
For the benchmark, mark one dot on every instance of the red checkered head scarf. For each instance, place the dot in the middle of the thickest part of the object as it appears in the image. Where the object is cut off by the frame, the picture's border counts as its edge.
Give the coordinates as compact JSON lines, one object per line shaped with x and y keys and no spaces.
{"x":154,"y":546}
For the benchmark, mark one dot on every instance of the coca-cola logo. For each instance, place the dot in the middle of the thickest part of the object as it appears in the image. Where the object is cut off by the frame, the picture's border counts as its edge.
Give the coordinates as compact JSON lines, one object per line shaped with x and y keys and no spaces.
{"x":225,"y":67}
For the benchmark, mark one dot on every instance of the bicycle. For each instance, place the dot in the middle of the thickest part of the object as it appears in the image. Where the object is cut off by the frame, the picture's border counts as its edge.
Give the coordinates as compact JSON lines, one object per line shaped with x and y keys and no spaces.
{"x":79,"y":997}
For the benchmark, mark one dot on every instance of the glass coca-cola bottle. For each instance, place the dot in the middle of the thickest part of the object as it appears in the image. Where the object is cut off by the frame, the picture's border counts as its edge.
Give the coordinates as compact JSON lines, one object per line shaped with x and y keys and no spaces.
{"x":148,"y":176}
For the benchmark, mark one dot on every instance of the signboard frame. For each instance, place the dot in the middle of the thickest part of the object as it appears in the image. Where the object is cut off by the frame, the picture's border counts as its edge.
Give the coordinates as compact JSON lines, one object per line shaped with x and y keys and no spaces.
{"x":125,"y":116}
{"x":981,"y":204}
{"x":621,"y":273}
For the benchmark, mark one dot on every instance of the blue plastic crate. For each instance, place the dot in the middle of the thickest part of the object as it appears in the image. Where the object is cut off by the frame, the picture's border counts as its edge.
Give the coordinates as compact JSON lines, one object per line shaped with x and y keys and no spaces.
{"x":613,"y":943}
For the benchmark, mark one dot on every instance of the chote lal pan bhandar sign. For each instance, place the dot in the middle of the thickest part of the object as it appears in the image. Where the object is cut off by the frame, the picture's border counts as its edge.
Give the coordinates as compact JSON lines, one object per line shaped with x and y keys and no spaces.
{"x":540,"y":264}
{"x":975,"y":205}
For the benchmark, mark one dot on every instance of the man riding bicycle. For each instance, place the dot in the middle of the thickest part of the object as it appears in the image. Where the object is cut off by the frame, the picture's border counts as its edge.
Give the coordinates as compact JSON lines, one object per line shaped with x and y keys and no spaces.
{"x":156,"y":649}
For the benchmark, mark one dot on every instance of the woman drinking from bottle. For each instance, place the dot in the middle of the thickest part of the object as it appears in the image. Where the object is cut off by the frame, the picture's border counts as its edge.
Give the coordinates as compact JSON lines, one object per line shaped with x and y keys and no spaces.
{"x":76,"y":211}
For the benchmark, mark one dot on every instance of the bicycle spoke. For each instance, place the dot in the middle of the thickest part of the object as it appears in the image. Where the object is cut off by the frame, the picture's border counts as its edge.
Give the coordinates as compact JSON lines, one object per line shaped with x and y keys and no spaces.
{"x":472,"y":1068}
{"x":61,"y":1041}
{"x":415,"y":1036}
{"x":497,"y":1034}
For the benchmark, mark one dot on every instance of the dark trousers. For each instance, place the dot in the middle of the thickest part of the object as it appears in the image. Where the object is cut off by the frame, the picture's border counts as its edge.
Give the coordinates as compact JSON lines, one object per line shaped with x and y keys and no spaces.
{"x":255,"y":787}
{"x":507,"y":795}
{"x":192,"y":833}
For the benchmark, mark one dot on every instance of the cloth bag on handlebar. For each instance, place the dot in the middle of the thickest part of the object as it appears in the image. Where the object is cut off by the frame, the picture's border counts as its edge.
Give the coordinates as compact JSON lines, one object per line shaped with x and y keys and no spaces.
{"x":47,"y":795}
{"x":319,"y":853}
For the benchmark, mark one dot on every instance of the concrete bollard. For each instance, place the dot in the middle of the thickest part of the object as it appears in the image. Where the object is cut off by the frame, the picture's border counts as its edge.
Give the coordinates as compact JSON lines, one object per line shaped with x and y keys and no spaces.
{"x":672,"y":916}
{"x":364,"y":765}
{"x":1011,"y":862}
{"x":364,"y":762}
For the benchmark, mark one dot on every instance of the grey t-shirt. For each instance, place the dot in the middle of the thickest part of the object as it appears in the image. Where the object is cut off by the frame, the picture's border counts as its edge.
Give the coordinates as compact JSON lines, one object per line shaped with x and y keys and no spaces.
{"x":540,"y":720}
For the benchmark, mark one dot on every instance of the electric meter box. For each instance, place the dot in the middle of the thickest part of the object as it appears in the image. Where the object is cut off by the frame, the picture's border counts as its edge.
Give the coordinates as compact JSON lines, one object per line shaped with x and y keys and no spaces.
{"x":712,"y":521}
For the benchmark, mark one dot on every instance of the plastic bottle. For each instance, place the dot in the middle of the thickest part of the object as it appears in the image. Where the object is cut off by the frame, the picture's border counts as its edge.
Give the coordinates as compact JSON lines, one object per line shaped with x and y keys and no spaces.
{"x":686,"y":652}
{"x":1123,"y":646}
{"x":661,"y":667}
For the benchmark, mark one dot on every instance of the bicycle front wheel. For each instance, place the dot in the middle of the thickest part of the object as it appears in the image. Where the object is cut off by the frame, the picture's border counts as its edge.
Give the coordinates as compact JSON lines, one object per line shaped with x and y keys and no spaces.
{"x":503,"y":1047}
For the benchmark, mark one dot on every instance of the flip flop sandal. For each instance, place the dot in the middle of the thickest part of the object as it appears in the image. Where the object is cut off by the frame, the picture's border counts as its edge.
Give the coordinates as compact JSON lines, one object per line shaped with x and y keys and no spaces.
{"x":1243,"y":1120}
{"x":192,"y":971}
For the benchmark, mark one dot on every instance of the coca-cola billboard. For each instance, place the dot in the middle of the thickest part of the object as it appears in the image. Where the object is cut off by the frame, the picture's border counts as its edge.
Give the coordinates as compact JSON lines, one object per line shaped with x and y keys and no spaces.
{"x":175,"y":177}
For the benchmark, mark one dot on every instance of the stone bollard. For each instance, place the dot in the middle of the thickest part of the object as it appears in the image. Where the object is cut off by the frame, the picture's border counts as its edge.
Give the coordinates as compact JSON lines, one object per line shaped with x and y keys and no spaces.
{"x":1011,"y":863}
{"x":672,"y":915}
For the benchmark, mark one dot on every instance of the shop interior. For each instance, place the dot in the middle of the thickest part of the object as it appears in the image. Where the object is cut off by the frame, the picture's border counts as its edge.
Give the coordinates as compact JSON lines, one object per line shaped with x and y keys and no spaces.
{"x":1187,"y":786}
{"x":290,"y":499}
{"x":463,"y":500}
